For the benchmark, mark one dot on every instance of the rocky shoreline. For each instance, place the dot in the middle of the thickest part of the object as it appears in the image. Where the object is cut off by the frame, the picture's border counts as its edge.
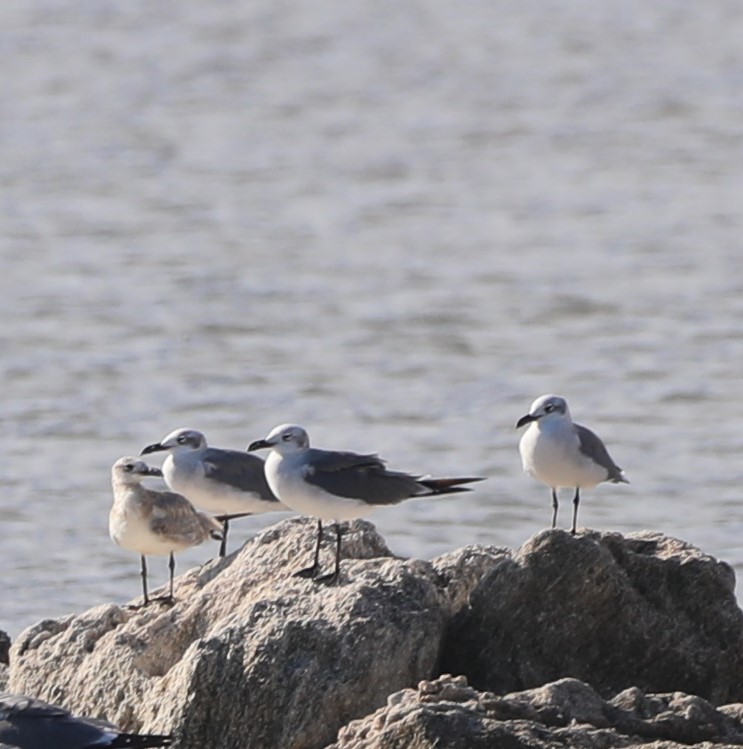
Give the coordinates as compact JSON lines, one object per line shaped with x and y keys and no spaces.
{"x":593,"y":640}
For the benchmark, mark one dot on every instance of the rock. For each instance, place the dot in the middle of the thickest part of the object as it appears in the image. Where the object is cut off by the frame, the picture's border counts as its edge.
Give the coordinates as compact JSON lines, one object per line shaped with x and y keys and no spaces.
{"x":644,"y":610}
{"x":4,"y":677}
{"x":460,"y":571}
{"x":249,"y":656}
{"x":567,"y":713}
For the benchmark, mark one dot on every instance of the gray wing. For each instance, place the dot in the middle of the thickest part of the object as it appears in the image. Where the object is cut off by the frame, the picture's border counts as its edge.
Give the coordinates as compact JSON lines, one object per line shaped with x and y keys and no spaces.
{"x":241,"y":470}
{"x":32,"y":724}
{"x":27,"y":723}
{"x":592,"y":447}
{"x":363,"y":477}
{"x":176,"y":519}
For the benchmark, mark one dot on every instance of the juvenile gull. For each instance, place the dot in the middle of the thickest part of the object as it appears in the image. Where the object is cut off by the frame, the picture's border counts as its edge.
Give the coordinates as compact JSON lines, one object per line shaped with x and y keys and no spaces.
{"x":27,"y":723}
{"x":153,"y":522}
{"x":332,"y":485}
{"x":229,"y":483}
{"x":560,"y":453}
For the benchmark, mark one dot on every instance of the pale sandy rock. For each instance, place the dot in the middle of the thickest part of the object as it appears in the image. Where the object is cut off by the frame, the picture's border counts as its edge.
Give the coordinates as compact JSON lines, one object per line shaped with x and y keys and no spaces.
{"x":250,"y":656}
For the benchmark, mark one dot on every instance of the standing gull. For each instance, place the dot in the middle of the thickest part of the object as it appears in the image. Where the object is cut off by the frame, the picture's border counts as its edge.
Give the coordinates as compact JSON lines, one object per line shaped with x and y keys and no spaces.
{"x":336,"y":486}
{"x":228,"y":483}
{"x":560,"y":453}
{"x":154,"y":522}
{"x":27,"y":723}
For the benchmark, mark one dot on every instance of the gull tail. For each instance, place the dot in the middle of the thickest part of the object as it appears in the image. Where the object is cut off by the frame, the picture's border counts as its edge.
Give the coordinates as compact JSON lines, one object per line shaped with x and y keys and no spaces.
{"x":616,"y":475}
{"x":140,"y":741}
{"x":449,"y":486}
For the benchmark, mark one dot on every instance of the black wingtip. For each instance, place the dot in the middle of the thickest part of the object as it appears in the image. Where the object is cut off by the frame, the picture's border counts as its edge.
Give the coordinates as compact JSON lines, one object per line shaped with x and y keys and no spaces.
{"x":450,"y":486}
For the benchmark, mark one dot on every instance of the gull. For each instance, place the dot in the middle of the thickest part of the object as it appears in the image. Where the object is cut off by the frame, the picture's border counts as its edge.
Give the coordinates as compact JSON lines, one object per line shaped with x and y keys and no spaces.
{"x":153,"y":522}
{"x":330,"y":485}
{"x":560,"y":453}
{"x":28,"y":723}
{"x":229,"y":483}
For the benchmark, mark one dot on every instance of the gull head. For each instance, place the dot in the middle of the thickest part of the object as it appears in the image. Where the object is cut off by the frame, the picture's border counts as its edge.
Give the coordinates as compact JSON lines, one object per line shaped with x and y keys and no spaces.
{"x":285,"y":439}
{"x":131,"y":471}
{"x":177,"y":441}
{"x":545,"y":407}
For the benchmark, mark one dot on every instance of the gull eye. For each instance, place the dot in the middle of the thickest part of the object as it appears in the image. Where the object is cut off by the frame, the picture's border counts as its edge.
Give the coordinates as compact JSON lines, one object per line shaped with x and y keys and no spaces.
{"x":128,"y":467}
{"x":182,"y":439}
{"x":549,"y":408}
{"x":286,"y":437}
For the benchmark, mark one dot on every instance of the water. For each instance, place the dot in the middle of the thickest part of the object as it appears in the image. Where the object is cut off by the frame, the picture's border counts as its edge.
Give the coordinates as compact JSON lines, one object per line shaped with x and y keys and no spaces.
{"x":395,"y":224}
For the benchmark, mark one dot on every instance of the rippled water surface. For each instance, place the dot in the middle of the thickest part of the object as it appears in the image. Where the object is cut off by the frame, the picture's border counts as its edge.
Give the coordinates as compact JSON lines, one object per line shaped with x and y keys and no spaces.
{"x":395,"y":224}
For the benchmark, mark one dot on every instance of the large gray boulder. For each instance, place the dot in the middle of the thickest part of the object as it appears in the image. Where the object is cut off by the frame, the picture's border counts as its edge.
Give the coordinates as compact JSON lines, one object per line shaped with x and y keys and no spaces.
{"x":251,"y":656}
{"x":567,"y":713}
{"x":643,"y":611}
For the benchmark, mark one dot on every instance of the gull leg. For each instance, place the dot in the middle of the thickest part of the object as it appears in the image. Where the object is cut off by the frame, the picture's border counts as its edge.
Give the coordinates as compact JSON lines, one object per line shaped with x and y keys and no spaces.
{"x":554,"y":509}
{"x":576,"y":502}
{"x":171,"y":567}
{"x":225,"y":528}
{"x":332,"y":577}
{"x":312,"y":571}
{"x":143,"y":573}
{"x":170,"y":598}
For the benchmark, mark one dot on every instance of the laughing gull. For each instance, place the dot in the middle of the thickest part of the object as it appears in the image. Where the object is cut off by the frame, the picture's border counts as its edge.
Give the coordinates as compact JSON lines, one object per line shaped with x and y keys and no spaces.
{"x":229,"y":483}
{"x":336,"y":486}
{"x":560,"y":453}
{"x":154,"y":522}
{"x":28,"y":723}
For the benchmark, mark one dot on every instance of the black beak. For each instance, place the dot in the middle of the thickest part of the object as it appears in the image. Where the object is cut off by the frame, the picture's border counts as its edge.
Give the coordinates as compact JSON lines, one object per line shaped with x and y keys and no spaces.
{"x":152,"y":471}
{"x":258,"y":445}
{"x":157,"y":447}
{"x":525,"y":420}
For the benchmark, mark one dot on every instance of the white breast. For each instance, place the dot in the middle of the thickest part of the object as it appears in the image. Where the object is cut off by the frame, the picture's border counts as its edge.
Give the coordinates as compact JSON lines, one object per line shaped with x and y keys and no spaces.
{"x":129,"y":527}
{"x":553,"y":456}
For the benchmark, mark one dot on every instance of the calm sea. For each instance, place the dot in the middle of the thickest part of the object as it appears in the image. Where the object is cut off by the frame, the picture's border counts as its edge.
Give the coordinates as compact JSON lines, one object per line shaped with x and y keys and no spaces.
{"x":393,"y":223}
